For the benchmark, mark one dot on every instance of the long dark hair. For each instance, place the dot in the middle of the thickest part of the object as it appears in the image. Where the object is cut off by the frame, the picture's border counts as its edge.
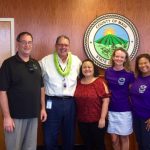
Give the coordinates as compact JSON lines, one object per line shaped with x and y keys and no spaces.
{"x":96,"y":69}
{"x":137,"y":70}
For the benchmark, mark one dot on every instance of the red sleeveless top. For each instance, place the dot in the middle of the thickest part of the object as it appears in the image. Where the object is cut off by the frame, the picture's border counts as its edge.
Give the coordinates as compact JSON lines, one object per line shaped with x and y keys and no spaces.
{"x":89,"y":100}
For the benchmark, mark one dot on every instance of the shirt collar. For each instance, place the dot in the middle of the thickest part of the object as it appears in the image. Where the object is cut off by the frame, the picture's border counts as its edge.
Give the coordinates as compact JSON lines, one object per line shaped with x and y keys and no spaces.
{"x":18,"y":58}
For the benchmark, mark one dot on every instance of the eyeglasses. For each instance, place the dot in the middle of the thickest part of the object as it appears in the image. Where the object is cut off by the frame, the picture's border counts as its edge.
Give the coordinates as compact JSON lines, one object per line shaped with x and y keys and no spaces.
{"x":26,"y":43}
{"x":63,"y":45}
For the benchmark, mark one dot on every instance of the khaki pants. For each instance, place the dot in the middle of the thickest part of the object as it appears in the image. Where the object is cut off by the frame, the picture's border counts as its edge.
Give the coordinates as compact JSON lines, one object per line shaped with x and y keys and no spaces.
{"x":24,"y":136}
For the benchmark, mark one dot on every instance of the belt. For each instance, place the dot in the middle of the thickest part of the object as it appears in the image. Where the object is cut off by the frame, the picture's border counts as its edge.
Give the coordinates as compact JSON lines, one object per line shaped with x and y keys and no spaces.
{"x":59,"y":97}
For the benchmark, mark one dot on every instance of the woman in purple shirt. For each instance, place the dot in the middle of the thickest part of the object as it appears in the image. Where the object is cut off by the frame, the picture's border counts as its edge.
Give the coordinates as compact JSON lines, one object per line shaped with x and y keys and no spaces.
{"x":119,"y":77}
{"x":140,"y":98}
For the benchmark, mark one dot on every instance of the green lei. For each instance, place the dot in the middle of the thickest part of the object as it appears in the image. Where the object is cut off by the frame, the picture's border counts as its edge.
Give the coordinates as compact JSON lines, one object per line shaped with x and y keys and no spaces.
{"x":59,"y":69}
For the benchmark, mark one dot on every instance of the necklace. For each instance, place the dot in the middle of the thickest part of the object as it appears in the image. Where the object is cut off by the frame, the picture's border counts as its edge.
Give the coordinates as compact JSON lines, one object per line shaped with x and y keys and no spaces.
{"x":58,"y":67}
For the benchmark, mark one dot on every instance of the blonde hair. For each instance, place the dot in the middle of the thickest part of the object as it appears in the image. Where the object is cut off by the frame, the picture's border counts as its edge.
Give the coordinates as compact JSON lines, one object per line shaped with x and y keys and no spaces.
{"x":126,"y":63}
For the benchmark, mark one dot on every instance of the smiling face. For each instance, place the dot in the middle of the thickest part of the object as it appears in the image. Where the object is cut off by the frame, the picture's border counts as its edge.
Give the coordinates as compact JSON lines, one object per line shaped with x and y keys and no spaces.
{"x":88,"y":69}
{"x":25,"y":45}
{"x":119,"y":58}
{"x":144,"y":66}
{"x":62,"y":47}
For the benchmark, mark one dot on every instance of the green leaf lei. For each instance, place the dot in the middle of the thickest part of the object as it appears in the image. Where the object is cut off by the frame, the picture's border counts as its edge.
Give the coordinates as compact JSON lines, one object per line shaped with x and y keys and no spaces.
{"x":68,"y":67}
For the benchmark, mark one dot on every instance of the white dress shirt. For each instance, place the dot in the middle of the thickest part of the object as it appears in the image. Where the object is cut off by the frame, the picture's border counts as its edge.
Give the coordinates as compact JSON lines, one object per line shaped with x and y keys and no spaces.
{"x":54,"y":82}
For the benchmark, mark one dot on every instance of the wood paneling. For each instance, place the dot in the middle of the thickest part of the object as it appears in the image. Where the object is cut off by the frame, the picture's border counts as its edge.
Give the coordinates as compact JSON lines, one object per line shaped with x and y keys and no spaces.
{"x":2,"y":141}
{"x":46,"y":19}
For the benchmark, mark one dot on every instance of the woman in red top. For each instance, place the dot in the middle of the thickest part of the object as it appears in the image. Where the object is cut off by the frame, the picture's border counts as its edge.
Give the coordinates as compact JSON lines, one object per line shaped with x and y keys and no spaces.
{"x":92,"y":101}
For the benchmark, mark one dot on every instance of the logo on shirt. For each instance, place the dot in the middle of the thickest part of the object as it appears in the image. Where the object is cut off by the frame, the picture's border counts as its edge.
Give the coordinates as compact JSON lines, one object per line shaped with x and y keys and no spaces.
{"x":105,"y":34}
{"x":142,"y":88}
{"x":121,"y":81}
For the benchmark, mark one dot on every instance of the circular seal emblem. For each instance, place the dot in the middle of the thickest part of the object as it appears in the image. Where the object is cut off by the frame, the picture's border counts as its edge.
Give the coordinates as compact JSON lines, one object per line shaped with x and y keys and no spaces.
{"x":105,"y":34}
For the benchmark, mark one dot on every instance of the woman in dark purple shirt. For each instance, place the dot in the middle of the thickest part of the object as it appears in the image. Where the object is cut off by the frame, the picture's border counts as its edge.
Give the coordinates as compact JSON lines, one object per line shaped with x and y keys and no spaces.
{"x":119,"y":78}
{"x":140,"y":98}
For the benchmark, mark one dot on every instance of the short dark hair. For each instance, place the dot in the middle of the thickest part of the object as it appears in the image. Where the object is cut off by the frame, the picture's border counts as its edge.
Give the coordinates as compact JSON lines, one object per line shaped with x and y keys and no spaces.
{"x":62,"y":36}
{"x":96,"y":69}
{"x":22,"y":34}
{"x":137,"y":70}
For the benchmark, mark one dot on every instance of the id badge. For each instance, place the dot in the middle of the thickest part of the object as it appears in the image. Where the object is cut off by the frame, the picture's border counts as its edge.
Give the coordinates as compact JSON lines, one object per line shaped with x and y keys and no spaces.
{"x":49,"y":104}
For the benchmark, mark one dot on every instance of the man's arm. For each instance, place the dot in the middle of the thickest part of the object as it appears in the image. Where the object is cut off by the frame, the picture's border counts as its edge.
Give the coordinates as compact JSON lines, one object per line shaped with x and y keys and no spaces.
{"x":8,"y":122}
{"x":43,"y":111}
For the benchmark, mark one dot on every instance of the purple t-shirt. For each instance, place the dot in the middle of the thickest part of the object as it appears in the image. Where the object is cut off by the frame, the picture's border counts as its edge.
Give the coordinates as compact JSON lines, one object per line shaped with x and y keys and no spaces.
{"x":140,"y":97}
{"x":118,"y":83}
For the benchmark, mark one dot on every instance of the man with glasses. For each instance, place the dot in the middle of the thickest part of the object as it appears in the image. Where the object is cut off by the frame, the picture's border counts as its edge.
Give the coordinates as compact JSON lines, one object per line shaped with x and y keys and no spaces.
{"x":21,"y":96}
{"x":60,"y":71}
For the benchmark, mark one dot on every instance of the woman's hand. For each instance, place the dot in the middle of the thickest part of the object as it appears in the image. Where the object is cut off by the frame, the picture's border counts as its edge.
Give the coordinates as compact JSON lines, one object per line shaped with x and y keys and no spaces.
{"x":101,"y":123}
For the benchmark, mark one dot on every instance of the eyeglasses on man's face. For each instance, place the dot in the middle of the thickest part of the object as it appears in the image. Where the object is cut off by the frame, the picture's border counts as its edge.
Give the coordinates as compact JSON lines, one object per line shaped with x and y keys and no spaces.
{"x":26,"y":43}
{"x":63,"y":45}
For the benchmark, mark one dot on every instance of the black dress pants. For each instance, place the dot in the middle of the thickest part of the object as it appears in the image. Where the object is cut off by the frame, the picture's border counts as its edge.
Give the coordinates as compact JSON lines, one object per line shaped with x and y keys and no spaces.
{"x":92,"y":136}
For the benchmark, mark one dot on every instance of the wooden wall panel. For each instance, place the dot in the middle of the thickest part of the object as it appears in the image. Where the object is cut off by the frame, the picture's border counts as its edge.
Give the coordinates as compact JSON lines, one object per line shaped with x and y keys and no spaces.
{"x":49,"y":18}
{"x":2,"y":140}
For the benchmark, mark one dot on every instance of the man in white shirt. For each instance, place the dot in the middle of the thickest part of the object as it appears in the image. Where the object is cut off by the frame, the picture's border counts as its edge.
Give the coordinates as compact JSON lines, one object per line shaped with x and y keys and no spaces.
{"x":60,"y":71}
